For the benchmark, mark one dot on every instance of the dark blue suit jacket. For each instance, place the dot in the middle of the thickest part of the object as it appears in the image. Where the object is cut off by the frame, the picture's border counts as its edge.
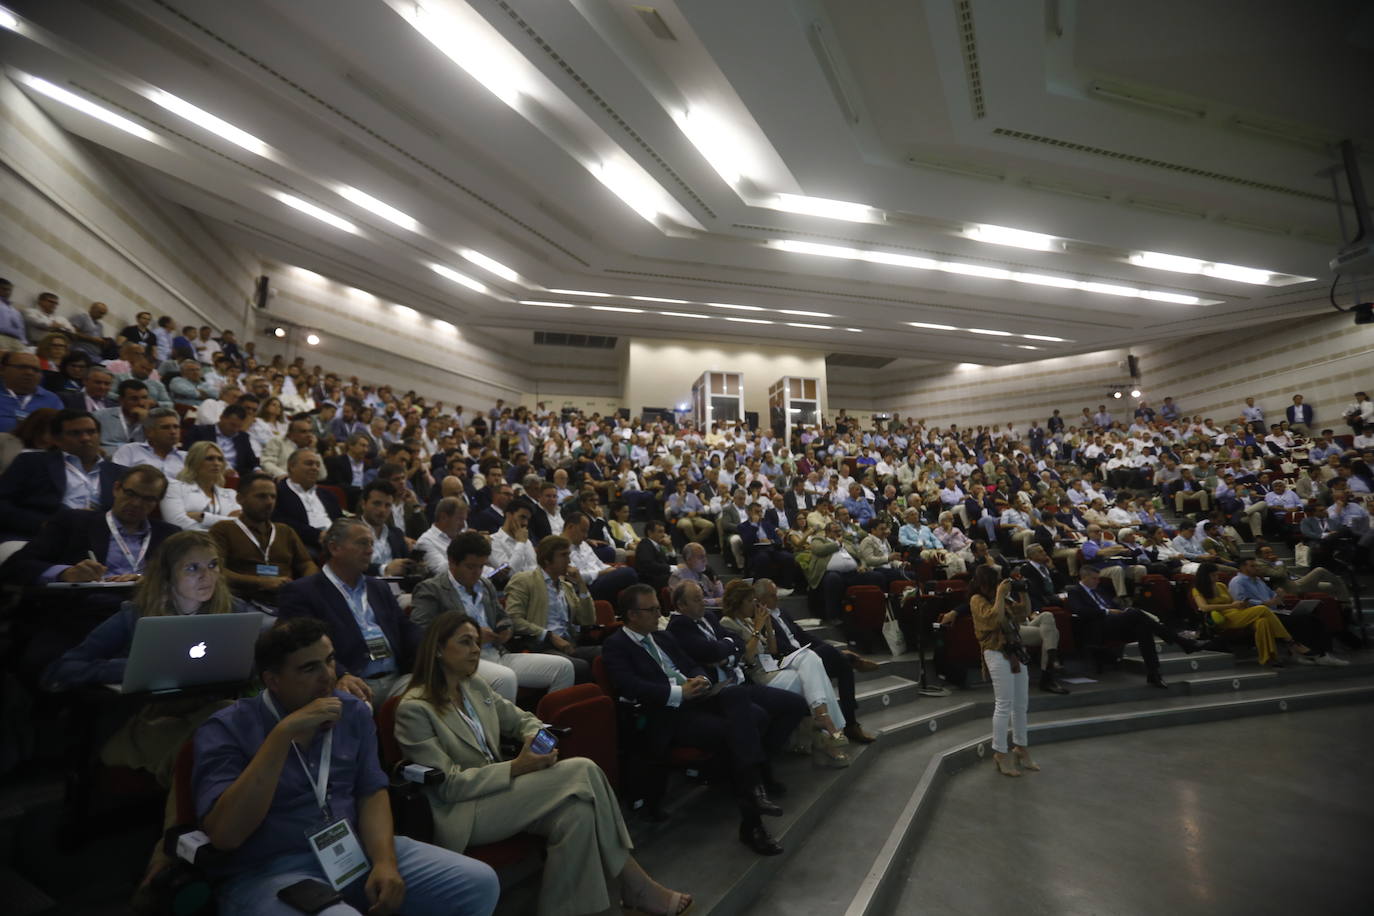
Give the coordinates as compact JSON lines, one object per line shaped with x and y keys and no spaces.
{"x":245,"y":460}
{"x":708,"y":652}
{"x":400,"y":550}
{"x":1300,"y":413}
{"x":637,"y":677}
{"x":487,"y":520}
{"x":315,"y":596}
{"x":32,"y":487}
{"x":291,"y":510}
{"x":66,"y":539}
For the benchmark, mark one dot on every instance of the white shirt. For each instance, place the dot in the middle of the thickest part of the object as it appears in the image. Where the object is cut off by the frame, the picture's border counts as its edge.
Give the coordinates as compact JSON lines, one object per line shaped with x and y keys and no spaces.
{"x":555,"y":521}
{"x":587,"y":562}
{"x":183,"y":498}
{"x":134,"y":453}
{"x":314,"y":509}
{"x":507,"y":550}
{"x":209,"y":411}
{"x":434,"y":543}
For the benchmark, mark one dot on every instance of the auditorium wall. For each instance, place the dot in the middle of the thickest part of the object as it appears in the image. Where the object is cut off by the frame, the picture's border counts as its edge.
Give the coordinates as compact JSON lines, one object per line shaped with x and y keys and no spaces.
{"x":75,"y":221}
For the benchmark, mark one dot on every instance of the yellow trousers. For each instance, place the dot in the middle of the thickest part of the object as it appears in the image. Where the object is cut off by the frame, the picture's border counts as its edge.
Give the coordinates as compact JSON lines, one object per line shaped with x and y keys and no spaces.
{"x":1268,"y":628}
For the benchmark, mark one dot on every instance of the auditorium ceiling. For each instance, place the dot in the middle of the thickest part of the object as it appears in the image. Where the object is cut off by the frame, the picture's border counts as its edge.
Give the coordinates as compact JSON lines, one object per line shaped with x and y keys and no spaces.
{"x":948,"y":181}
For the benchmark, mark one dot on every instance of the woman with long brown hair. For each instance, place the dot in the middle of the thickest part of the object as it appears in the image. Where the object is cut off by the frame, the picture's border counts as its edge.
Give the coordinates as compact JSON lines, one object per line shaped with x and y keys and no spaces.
{"x":1213,"y":598}
{"x":995,"y":622}
{"x":453,"y":721}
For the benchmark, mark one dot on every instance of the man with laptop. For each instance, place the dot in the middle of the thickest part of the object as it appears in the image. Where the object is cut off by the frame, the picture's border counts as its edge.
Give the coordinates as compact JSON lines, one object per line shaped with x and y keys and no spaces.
{"x":1249,"y":586}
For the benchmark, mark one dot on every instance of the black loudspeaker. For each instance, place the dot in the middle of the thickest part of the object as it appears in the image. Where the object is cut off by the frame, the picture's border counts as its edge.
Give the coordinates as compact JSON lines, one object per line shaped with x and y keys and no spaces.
{"x":1133,"y":364}
{"x":261,"y":290}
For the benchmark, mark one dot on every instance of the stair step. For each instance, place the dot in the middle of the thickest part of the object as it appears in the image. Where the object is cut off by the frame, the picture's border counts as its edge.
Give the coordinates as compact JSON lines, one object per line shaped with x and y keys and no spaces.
{"x":1227,"y":683}
{"x":1178,"y":663}
{"x":886,"y":690}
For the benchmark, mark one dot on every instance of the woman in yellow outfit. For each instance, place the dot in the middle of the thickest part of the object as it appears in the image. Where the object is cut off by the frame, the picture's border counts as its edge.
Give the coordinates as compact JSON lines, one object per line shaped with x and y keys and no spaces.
{"x":1213,"y":599}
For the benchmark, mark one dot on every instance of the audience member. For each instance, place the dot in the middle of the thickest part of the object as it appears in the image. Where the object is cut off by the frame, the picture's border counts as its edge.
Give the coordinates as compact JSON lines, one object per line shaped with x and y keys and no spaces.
{"x":550,"y":604}
{"x":228,"y":433}
{"x":161,"y":434}
{"x":260,"y":555}
{"x":23,"y":393}
{"x":36,"y":485}
{"x":1226,"y":613}
{"x":300,"y":501}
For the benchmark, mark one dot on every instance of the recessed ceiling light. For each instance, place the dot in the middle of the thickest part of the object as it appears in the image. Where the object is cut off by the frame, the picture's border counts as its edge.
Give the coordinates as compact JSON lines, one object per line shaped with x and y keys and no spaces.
{"x":547,"y":304}
{"x":637,"y":191}
{"x":1239,"y":274}
{"x":1177,"y":298}
{"x":616,"y":308}
{"x":932,"y":327}
{"x":1044,"y":337}
{"x":7,"y":20}
{"x":969,"y":366}
{"x":974,"y":270}
{"x":717,"y":140}
{"x":1110,"y":289}
{"x":1017,"y":238}
{"x":100,"y":113}
{"x":683,"y":315}
{"x":738,"y":308}
{"x":485,"y":57}
{"x":319,"y":213}
{"x":1026,"y":347}
{"x":202,"y":118}
{"x":818,"y":327}
{"x":373,"y":205}
{"x":1157,"y":261}
{"x":830,"y":209}
{"x":855,"y":330}
{"x":490,"y":265}
{"x":747,"y":320}
{"x":1046,"y":280}
{"x":988,"y":332}
{"x":660,"y":299}
{"x":805,"y":314}
{"x":580,"y":292}
{"x":406,"y":311}
{"x":456,"y":277}
{"x":313,"y":339}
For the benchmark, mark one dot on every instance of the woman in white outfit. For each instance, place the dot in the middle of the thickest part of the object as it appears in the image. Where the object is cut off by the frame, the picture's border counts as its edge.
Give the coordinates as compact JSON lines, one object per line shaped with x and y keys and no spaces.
{"x":198,"y":497}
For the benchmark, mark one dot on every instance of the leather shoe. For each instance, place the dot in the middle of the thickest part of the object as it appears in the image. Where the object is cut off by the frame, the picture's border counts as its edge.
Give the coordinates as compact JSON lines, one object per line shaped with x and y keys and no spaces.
{"x":854,"y":732}
{"x":1189,"y":646}
{"x":774,"y":788}
{"x":761,"y":803}
{"x":1156,"y":680}
{"x":759,"y":839}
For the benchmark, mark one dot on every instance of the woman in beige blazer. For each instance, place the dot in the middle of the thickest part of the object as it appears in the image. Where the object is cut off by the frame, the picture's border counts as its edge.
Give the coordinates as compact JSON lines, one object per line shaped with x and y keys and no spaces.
{"x":454,"y":722}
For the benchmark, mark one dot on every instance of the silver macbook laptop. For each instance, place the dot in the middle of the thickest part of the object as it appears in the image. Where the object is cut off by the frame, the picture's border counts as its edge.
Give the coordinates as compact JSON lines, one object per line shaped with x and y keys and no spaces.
{"x":170,"y":653}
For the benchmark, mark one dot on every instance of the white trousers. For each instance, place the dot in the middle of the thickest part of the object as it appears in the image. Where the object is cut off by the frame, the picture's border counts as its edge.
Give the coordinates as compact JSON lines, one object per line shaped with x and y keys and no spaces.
{"x":1011,"y":694}
{"x":805,"y":675}
{"x":526,"y":669}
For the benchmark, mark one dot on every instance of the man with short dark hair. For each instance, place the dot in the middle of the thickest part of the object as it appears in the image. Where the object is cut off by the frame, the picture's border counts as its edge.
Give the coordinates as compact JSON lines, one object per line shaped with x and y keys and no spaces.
{"x":513,"y":545}
{"x":299,"y":434}
{"x":390,"y":551}
{"x":260,"y":555}
{"x":654,"y":555}
{"x":88,"y":331}
{"x":22,"y":394}
{"x":450,"y":518}
{"x":1109,"y":619}
{"x":73,"y":476}
{"x":301,"y":503}
{"x":94,"y":394}
{"x":230,"y":434}
{"x":259,"y":801}
{"x":161,"y":433}
{"x":604,"y":581}
{"x":352,"y":470}
{"x":493,"y":516}
{"x":546,"y":517}
{"x":124,"y":422}
{"x":13,"y":336}
{"x":550,"y":604}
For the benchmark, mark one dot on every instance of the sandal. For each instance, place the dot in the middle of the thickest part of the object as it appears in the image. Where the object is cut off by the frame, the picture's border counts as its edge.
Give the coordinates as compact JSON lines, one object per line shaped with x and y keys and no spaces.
{"x":675,"y":906}
{"x":827,"y":750}
{"x":1006,"y":765}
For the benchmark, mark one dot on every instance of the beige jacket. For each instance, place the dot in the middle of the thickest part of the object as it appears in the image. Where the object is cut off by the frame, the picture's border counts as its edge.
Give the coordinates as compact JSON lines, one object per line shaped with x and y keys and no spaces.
{"x":527,"y":603}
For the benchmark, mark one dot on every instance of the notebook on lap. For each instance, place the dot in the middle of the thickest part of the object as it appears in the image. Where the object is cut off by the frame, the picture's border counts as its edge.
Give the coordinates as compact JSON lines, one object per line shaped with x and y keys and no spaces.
{"x":173,"y":653}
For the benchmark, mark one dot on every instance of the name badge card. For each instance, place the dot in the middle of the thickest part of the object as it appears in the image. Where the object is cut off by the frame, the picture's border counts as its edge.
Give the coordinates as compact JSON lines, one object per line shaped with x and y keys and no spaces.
{"x":340,"y":855}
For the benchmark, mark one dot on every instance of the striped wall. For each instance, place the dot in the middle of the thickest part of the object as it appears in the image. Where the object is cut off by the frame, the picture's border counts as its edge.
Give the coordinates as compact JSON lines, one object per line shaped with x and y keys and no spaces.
{"x":74,"y":222}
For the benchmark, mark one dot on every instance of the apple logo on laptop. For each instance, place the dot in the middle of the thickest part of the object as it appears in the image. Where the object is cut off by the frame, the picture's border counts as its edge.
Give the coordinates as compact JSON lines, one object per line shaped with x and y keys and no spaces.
{"x":198,"y":650}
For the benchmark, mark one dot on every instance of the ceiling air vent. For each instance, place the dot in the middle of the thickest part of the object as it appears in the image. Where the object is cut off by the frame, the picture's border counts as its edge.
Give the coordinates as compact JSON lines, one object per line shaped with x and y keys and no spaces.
{"x":584,"y":341}
{"x":857,"y":361}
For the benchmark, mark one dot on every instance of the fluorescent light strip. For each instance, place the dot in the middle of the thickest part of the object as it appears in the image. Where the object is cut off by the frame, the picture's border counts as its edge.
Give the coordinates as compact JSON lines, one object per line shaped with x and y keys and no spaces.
{"x":747,"y":320}
{"x":1178,"y":264}
{"x":72,"y":100}
{"x":373,"y":205}
{"x":202,"y":118}
{"x":738,"y":308}
{"x":1016,"y":238}
{"x":548,"y":305}
{"x":616,"y":308}
{"x":932,"y":327}
{"x":7,"y":20}
{"x":486,"y":58}
{"x":855,"y":330}
{"x":1044,"y":337}
{"x":1238,"y":274}
{"x":490,"y":265}
{"x":660,"y":299}
{"x":829,"y":209}
{"x":716,"y":140}
{"x":318,"y":213}
{"x":1026,"y":347}
{"x":989,"y":333}
{"x":456,"y":277}
{"x":683,"y":315}
{"x":805,"y":314}
{"x":818,"y":327}
{"x":639,"y":193}
{"x":580,"y":292}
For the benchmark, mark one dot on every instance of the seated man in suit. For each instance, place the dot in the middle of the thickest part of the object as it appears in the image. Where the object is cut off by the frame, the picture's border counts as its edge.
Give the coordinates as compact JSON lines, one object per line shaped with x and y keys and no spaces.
{"x":229,"y":433}
{"x":654,"y":555}
{"x":352,"y":470}
{"x":407,"y":514}
{"x":493,"y":515}
{"x":90,"y":545}
{"x":373,"y":638}
{"x":123,"y":422}
{"x":391,"y":550}
{"x":546,"y":517}
{"x":300,"y":503}
{"x":260,"y":555}
{"x":94,"y":394}
{"x":1109,"y":619}
{"x":260,"y":807}
{"x":299,"y":434}
{"x":681,"y":706}
{"x":604,"y":581}
{"x":73,"y":476}
{"x":1042,"y":578}
{"x":548,"y":606}
{"x":840,"y":664}
{"x":462,"y":588}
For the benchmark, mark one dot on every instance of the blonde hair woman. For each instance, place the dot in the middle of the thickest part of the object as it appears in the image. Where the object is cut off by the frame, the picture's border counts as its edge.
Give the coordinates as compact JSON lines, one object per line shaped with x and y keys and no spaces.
{"x":198,"y":498}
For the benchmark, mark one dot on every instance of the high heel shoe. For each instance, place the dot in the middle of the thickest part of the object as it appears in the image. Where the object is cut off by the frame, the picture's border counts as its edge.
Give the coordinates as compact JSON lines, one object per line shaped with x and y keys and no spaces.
{"x":1006,"y":765}
{"x":1023,"y":757}
{"x":827,"y":750}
